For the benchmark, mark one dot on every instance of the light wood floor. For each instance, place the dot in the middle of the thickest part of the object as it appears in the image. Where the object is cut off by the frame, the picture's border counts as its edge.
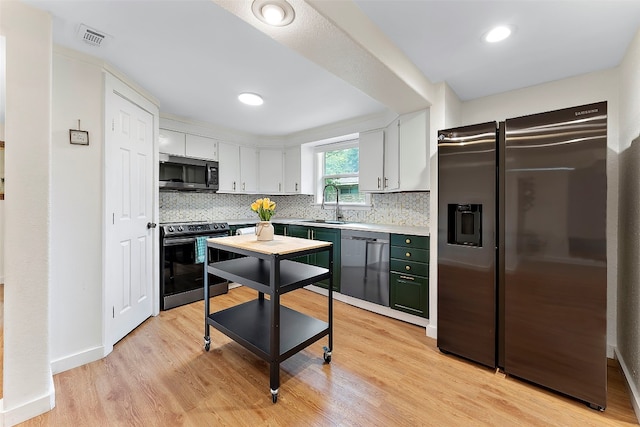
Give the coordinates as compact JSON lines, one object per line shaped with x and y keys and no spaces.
{"x":383,"y":373}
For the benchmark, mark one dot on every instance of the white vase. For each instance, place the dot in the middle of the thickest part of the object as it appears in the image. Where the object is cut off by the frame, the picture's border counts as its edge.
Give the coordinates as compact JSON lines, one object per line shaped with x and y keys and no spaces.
{"x":264,"y":230}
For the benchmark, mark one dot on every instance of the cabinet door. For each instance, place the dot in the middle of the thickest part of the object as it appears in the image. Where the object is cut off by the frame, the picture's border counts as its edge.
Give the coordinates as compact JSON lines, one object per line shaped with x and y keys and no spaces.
{"x":270,"y":171}
{"x":201,"y":147}
{"x":172,"y":142}
{"x":303,"y":233}
{"x":414,"y":152}
{"x":371,"y":158}
{"x":229,"y":167}
{"x":321,"y":259}
{"x":248,"y":170}
{"x":392,"y":156}
{"x":409,"y":294}
{"x":292,"y":170}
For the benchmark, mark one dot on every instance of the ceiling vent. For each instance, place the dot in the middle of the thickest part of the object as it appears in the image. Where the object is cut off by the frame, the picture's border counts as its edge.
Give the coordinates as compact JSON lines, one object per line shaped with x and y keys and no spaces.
{"x":91,"y":36}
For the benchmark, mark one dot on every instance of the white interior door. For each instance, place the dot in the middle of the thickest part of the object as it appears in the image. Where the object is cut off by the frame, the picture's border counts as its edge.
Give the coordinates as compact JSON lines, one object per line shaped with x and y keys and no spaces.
{"x":129,"y":188}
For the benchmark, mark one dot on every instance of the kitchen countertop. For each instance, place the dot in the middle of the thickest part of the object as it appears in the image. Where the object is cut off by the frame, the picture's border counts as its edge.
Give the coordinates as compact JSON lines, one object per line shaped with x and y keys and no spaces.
{"x":381,"y":228}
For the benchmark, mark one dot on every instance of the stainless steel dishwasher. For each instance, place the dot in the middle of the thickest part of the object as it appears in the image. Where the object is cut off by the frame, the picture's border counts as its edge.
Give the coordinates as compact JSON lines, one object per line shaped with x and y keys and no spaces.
{"x":364,"y":271}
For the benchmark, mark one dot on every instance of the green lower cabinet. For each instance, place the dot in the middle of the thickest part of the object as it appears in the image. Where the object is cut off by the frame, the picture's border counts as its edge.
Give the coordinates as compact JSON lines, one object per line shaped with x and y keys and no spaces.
{"x":409,"y":294}
{"x":320,"y":259}
{"x":409,"y":275}
{"x":279,"y":229}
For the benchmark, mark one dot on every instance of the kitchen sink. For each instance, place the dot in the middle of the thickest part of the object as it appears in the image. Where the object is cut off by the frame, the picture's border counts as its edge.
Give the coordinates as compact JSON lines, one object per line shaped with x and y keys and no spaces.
{"x":325,"y":221}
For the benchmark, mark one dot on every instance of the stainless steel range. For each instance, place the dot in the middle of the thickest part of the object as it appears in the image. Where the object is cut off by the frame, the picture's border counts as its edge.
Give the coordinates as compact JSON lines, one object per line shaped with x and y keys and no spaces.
{"x":181,"y":275}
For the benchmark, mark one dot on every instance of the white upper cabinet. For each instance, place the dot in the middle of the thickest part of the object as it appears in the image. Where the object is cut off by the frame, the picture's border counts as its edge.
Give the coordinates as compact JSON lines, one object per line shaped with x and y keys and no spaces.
{"x":185,"y":144}
{"x":292,"y":170}
{"x":371,"y":158}
{"x":248,"y":170}
{"x":414,"y":152}
{"x":397,"y":158}
{"x":270,"y":171}
{"x":228,"y":168}
{"x":172,"y":142}
{"x":201,"y":147}
{"x":392,"y":156}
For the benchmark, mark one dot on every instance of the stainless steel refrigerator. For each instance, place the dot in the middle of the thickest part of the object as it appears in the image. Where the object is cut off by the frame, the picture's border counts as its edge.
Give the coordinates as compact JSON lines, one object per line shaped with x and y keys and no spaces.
{"x":522,"y":248}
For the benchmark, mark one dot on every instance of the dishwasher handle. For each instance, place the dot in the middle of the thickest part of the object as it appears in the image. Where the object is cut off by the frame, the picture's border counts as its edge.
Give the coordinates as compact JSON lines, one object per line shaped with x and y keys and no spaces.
{"x":366,"y":239}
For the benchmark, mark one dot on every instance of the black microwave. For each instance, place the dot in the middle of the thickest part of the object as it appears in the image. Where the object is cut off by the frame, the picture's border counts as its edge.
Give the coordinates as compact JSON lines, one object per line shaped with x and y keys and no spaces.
{"x":184,"y":173}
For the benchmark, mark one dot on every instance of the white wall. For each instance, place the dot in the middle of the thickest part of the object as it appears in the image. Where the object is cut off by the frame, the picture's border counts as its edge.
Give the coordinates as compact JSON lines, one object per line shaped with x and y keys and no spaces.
{"x":76,"y":217}
{"x":628,"y":351}
{"x":2,"y":210}
{"x":584,"y":89}
{"x":28,"y":383}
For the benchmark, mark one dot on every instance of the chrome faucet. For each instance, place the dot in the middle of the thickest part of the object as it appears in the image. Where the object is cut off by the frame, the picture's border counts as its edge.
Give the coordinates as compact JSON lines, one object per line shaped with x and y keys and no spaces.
{"x":324,"y":191}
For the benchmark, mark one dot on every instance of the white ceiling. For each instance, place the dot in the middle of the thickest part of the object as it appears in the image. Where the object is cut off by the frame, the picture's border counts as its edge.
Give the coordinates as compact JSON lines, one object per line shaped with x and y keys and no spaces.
{"x":195,"y":56}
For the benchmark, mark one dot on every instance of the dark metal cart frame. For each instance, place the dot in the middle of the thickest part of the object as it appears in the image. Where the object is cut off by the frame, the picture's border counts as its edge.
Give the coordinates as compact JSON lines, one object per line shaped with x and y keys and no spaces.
{"x":270,"y":330}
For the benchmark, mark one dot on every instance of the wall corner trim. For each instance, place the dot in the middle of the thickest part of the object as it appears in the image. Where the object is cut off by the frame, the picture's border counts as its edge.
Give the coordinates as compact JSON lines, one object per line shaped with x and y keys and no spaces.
{"x":633,"y":389}
{"x":28,"y":410}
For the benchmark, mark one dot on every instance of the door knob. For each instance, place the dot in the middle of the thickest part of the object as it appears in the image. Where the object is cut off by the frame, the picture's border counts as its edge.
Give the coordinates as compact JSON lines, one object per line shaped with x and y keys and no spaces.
{"x":151,"y":225}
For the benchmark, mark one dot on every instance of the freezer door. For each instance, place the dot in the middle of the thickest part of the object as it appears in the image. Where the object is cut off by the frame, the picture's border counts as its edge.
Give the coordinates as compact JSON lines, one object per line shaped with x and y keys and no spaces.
{"x":555,"y":250}
{"x":466,"y":242}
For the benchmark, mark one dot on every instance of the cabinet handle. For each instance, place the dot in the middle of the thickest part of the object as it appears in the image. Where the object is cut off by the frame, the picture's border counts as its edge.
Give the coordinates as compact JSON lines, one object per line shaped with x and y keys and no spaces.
{"x":378,"y":182}
{"x":243,"y":186}
{"x":407,"y":267}
{"x":386,"y":182}
{"x":234,"y":186}
{"x":407,"y":278}
{"x":408,"y":254}
{"x":408,"y":241}
{"x":296,"y":186}
{"x":279,"y":186}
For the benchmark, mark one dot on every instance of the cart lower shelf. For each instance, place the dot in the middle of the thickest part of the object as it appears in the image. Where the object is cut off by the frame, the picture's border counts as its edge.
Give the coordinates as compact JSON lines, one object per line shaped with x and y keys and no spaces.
{"x":249,"y":324}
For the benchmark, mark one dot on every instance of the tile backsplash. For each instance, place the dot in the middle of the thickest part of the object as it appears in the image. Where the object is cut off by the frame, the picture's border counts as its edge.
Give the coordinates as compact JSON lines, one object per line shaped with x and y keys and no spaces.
{"x":392,"y":208}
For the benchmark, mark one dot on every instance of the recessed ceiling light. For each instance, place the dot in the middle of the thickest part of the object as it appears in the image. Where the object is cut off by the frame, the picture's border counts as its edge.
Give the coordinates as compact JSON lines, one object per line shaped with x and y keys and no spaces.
{"x":497,"y":34}
{"x":277,"y":13}
{"x":250,"y":98}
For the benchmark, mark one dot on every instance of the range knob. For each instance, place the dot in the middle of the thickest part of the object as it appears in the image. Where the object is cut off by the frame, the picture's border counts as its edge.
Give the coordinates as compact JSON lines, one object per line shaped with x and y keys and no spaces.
{"x":215,"y":226}
{"x":170,"y":229}
{"x":180,"y":228}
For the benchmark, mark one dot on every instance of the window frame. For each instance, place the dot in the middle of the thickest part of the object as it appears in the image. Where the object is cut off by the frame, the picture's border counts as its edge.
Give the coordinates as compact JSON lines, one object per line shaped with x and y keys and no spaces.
{"x":319,"y":176}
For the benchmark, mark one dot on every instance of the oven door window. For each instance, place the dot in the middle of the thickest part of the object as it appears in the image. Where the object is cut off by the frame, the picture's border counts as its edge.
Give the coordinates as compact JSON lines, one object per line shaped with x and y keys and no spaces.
{"x":181,"y":273}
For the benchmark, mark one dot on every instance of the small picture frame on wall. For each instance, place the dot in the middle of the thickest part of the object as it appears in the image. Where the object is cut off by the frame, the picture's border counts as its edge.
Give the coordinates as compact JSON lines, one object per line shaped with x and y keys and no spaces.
{"x":79,"y":137}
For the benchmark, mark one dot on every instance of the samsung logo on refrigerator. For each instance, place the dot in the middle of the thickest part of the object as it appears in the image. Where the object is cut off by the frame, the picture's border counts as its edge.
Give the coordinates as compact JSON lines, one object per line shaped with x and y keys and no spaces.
{"x":582,"y":113}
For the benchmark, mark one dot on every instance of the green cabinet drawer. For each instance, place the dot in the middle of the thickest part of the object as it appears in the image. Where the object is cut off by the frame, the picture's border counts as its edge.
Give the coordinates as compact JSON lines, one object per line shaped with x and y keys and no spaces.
{"x":410,"y":267}
{"x":410,"y":254}
{"x":410,"y":241}
{"x":409,"y":293}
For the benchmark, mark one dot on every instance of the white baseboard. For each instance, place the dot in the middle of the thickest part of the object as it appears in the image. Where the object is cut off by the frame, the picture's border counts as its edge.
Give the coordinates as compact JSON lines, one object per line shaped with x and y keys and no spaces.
{"x":432,"y":331}
{"x":11,"y":417}
{"x":610,"y":351}
{"x":633,"y":389}
{"x":376,"y":308}
{"x":78,"y":359}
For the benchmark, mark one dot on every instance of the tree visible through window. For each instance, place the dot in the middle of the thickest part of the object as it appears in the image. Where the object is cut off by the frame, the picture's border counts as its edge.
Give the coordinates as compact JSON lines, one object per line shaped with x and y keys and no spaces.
{"x":340,"y":167}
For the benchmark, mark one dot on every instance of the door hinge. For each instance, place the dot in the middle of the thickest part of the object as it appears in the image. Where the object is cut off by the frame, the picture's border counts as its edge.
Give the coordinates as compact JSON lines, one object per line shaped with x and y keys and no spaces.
{"x":113,"y":311}
{"x":113,"y":124}
{"x":113,"y":218}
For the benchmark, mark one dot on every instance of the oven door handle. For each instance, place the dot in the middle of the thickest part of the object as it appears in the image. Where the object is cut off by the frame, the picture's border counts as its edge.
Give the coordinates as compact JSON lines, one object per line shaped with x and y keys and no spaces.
{"x":174,"y":241}
{"x":178,"y":241}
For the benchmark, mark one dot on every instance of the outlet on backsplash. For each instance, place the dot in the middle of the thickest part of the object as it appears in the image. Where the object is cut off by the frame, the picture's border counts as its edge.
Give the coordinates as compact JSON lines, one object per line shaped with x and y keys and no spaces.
{"x":391,"y":208}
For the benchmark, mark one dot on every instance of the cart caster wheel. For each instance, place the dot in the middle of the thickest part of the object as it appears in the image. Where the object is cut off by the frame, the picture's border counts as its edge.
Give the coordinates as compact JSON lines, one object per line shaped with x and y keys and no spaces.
{"x":327,"y":355}
{"x":274,"y":396}
{"x":207,"y":343}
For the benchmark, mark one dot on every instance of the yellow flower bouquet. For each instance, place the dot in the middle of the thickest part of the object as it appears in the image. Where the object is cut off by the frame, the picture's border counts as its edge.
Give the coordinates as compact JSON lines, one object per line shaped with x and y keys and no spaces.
{"x":265,"y":208}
